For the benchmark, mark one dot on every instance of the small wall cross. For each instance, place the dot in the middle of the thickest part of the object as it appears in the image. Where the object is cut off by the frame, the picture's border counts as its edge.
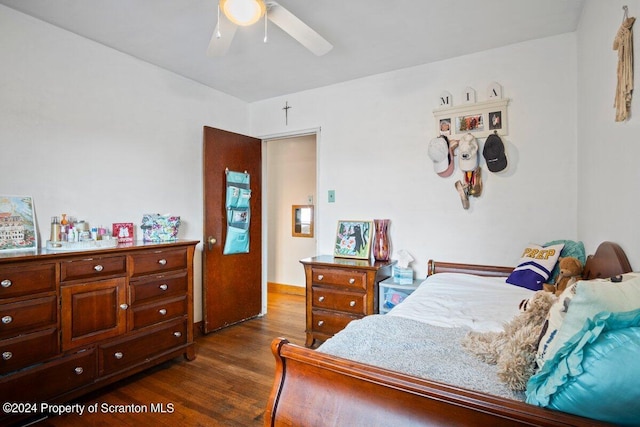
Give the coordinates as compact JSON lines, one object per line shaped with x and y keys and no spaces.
{"x":286,"y":112}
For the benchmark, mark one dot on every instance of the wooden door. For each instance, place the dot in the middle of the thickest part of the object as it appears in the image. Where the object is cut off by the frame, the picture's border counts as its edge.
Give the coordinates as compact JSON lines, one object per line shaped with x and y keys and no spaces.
{"x":231,"y":284}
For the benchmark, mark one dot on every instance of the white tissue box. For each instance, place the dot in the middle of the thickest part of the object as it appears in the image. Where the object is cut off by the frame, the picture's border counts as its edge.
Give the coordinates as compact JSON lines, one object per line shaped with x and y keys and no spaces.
{"x":402,"y":276}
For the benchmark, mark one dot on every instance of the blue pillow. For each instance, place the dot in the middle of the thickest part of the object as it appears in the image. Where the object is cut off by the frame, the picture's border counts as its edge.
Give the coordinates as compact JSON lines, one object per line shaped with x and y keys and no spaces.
{"x":595,"y":374}
{"x":571,"y":248}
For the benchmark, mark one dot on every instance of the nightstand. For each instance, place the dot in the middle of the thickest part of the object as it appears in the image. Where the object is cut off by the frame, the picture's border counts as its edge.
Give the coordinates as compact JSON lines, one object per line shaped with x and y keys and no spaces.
{"x":391,"y":293}
{"x":340,"y":290}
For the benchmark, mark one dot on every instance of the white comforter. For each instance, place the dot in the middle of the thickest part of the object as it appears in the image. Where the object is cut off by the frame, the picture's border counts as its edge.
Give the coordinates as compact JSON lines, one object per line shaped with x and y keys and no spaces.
{"x":463,"y":301}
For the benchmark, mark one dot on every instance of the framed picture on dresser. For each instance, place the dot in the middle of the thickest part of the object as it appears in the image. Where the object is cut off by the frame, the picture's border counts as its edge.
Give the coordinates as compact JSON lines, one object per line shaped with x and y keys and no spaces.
{"x":18,"y":230}
{"x":353,"y":239}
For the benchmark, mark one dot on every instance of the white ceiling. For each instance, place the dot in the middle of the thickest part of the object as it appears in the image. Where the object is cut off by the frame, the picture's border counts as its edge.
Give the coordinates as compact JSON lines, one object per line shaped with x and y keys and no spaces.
{"x":369,"y":36}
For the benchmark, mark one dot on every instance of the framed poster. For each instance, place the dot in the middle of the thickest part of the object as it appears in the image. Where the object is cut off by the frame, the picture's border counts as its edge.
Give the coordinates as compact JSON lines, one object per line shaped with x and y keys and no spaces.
{"x":353,"y":239}
{"x":18,"y":230}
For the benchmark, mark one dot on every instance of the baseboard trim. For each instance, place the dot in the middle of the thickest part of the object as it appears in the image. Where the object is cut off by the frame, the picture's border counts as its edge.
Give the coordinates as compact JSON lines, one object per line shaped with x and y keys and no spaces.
{"x":286,"y":289}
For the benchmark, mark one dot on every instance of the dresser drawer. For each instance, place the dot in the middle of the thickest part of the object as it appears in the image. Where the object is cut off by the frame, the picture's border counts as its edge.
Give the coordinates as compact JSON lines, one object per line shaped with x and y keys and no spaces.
{"x":158,"y":286}
{"x":18,"y":280}
{"x":31,"y":314}
{"x":329,"y":323}
{"x":336,"y":277}
{"x":335,"y":299}
{"x":50,"y":380}
{"x":135,"y":349}
{"x":158,"y":261}
{"x":91,"y":268}
{"x":148,"y":314}
{"x":22,"y":351}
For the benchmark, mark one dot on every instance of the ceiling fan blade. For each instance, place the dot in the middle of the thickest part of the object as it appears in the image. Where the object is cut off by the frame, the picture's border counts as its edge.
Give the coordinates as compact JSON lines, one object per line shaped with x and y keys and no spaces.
{"x":218,"y":46}
{"x":298,"y":29}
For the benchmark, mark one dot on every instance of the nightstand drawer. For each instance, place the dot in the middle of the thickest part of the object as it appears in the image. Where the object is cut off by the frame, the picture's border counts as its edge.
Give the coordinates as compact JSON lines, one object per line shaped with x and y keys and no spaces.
{"x":19,"y":279}
{"x":91,"y":268}
{"x":336,"y":277}
{"x":334,"y":299}
{"x":329,"y":323}
{"x":21,"y":316}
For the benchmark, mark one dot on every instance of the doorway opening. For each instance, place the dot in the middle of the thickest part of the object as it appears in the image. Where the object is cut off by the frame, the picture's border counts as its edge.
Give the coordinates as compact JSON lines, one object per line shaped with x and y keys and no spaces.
{"x":290,"y":166}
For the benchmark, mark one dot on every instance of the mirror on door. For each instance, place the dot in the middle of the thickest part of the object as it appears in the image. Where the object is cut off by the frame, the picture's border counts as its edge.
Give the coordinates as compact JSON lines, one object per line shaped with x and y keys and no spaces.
{"x":302,"y":221}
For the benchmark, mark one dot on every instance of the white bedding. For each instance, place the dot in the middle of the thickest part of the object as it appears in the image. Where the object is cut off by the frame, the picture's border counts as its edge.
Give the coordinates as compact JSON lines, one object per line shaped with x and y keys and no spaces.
{"x":463,"y":300}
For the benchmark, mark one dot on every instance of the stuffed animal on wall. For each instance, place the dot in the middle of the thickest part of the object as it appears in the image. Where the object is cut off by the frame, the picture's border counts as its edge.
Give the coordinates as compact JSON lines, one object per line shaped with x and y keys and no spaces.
{"x":570,"y":272}
{"x":513,"y":350}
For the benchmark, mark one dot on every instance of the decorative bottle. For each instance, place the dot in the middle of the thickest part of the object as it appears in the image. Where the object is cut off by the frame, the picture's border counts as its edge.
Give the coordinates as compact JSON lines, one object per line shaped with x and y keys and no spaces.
{"x":381,"y":243}
{"x":55,"y":229}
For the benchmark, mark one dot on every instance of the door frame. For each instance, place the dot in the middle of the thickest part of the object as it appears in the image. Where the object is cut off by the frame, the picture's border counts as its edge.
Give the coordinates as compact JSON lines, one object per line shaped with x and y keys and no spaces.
{"x":265,"y":197}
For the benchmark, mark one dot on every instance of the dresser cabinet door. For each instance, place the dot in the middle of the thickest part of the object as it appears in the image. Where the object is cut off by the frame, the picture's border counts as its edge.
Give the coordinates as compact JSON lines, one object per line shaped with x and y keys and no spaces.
{"x":93,"y":311}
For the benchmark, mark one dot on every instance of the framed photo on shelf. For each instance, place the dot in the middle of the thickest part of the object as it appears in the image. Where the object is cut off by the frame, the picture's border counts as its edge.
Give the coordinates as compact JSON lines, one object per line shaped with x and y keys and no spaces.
{"x":480,"y":119}
{"x":18,"y":230}
{"x":353,"y":239}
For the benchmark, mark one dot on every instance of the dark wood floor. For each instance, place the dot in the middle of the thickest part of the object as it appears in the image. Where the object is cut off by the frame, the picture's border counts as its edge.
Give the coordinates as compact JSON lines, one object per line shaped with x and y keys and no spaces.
{"x":227,"y":385}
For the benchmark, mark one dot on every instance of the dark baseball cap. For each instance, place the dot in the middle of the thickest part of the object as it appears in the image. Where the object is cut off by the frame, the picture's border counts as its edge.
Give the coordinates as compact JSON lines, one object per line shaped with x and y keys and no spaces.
{"x":493,"y":153}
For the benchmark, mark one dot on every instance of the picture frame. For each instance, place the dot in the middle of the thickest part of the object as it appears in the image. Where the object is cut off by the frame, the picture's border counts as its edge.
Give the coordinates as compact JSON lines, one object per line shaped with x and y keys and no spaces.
{"x":18,"y":228}
{"x":123,"y":231}
{"x":480,"y":119}
{"x":353,"y":239}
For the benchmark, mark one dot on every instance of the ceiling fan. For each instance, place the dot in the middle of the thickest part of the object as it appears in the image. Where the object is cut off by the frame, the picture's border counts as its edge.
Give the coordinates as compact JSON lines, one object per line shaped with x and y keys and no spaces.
{"x":248,"y":12}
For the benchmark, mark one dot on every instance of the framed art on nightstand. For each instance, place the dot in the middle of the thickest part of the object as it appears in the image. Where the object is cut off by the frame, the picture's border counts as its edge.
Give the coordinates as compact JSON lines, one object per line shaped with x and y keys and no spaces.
{"x":353,"y":239}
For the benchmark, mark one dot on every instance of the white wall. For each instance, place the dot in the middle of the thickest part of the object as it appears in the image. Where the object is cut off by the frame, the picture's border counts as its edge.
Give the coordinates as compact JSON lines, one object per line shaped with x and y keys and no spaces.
{"x":373,"y":153}
{"x":99,"y":135}
{"x":608,"y":151}
{"x":291,"y":175}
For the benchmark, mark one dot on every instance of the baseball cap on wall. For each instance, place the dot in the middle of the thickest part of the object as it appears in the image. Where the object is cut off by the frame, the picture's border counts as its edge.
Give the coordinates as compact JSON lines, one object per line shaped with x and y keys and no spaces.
{"x":494,"y":154}
{"x":468,"y":153}
{"x":439,"y":154}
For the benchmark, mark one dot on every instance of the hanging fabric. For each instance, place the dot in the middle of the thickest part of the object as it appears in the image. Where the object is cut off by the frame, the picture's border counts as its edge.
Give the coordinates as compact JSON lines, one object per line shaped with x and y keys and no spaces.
{"x":238,"y":196}
{"x":623,"y":43}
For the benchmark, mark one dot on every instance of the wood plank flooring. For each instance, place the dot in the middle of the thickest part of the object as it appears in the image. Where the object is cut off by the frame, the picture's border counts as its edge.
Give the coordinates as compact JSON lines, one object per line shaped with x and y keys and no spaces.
{"x":227,"y":385}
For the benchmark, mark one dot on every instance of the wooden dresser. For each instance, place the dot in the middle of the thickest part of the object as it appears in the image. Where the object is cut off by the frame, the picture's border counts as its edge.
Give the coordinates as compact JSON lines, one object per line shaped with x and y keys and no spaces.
{"x":340,"y":290}
{"x":71,"y":322}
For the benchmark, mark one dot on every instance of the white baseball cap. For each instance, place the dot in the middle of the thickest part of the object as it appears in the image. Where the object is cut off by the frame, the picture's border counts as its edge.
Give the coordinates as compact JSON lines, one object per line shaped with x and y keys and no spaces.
{"x":439,"y":154}
{"x":468,"y":153}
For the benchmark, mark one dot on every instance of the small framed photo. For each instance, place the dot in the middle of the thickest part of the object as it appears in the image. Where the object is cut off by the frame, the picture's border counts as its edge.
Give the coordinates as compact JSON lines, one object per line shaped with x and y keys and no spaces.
{"x":445,"y":126}
{"x":469,"y":123}
{"x":123,"y":231}
{"x":495,"y":120}
{"x":353,"y":239}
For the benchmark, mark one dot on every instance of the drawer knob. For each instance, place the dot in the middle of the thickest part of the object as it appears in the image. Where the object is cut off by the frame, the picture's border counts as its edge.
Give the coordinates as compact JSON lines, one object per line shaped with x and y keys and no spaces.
{"x":98,"y":268}
{"x":320,"y":276}
{"x":162,"y":311}
{"x":352,"y":281}
{"x":320,"y":322}
{"x":177,"y":334}
{"x":352,"y":304}
{"x":7,"y":319}
{"x":118,"y":355}
{"x":162,"y":261}
{"x":79,"y":370}
{"x":321,"y":299}
{"x":164,"y":287}
{"x":6,"y":283}
{"x":7,"y":355}
{"x":124,"y":306}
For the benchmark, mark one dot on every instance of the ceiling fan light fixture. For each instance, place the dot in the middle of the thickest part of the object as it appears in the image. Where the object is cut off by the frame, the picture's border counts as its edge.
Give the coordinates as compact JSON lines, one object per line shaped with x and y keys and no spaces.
{"x":243,"y":12}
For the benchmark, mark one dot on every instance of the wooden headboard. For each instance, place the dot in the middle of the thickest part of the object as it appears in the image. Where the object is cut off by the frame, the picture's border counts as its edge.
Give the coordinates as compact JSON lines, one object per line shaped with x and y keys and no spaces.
{"x":609,"y":260}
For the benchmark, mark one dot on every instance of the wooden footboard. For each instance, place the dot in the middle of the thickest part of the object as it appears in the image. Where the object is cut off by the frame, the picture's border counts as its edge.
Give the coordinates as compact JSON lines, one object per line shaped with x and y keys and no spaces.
{"x":316,"y":389}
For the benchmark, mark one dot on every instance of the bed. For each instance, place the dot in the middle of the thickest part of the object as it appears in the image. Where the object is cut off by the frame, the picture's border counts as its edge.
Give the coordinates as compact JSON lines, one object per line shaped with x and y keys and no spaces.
{"x":318,"y":388}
